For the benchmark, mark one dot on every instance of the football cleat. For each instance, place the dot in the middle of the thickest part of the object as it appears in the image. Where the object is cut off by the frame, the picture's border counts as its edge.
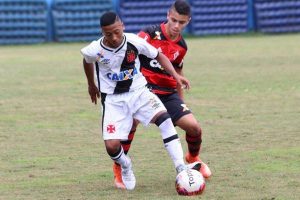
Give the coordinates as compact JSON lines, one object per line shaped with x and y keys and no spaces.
{"x":205,"y":171}
{"x":128,"y":177}
{"x":195,"y":165}
{"x":118,"y":176}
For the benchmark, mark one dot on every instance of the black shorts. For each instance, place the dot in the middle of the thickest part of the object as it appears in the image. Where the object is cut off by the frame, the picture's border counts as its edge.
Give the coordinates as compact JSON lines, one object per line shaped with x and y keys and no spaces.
{"x":175,"y":106}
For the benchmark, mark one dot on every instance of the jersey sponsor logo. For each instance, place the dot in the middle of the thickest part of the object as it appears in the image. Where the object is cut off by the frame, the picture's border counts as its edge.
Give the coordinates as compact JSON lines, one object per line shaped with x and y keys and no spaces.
{"x":155,"y":64}
{"x":130,"y":56}
{"x":123,"y":75}
{"x":111,"y":128}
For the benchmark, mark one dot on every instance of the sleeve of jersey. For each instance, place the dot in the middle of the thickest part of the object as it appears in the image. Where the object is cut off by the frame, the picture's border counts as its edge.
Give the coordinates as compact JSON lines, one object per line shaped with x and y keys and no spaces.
{"x":146,"y":49}
{"x":90,"y":53}
{"x":144,"y":35}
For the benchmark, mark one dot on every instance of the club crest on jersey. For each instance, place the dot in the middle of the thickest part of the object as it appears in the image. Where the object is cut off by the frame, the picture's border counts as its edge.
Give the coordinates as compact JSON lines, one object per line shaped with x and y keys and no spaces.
{"x":110,"y":128}
{"x":130,"y":56}
{"x":123,"y":75}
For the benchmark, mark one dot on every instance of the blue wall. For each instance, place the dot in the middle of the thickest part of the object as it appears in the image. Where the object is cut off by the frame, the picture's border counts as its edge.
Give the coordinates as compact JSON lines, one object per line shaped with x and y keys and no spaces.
{"x":23,"y":21}
{"x":35,"y":21}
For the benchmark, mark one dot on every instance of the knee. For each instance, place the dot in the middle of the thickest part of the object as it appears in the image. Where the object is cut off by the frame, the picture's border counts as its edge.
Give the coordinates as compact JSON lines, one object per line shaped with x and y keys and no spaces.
{"x":194,"y":130}
{"x":112,"y":147}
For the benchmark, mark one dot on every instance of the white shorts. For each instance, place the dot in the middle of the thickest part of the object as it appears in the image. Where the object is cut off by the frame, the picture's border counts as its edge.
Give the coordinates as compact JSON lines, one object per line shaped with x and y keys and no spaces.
{"x":120,"y":109}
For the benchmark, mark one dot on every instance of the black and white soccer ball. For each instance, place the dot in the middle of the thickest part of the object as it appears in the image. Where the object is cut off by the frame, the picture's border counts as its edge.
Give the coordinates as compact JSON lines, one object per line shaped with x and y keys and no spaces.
{"x":189,"y":182}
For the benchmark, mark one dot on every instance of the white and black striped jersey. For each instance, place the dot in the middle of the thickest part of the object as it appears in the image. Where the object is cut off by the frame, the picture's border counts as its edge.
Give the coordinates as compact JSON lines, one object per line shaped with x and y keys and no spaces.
{"x":118,"y":70}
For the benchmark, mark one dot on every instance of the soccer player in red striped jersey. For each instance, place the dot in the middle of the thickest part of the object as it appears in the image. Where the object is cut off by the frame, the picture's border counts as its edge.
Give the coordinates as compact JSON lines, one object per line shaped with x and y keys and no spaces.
{"x":167,"y":38}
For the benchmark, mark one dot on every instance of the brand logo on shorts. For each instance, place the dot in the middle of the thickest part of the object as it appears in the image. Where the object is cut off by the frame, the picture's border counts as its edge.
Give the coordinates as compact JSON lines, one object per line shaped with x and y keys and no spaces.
{"x":154,"y":103}
{"x":185,"y":108}
{"x":111,"y":128}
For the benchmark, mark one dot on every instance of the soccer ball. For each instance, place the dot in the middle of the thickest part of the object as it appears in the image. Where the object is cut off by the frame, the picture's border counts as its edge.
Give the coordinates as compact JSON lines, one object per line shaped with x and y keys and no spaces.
{"x":189,"y":182}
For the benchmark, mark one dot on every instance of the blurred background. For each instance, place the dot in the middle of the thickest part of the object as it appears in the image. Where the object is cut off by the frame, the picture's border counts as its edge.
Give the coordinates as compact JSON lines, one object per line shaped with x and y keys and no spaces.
{"x":39,"y":21}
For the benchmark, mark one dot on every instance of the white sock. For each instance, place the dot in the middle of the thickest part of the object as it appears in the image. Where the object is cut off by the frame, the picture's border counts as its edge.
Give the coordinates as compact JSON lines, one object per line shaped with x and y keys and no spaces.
{"x":121,"y":159}
{"x":172,"y":142}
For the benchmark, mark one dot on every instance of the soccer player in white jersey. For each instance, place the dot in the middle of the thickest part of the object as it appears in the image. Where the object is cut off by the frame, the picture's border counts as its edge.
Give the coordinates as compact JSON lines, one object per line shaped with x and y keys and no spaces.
{"x":124,"y":94}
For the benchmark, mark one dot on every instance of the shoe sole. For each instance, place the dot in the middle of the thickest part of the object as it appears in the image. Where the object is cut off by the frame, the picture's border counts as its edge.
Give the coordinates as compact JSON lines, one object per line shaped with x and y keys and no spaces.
{"x":120,"y":186}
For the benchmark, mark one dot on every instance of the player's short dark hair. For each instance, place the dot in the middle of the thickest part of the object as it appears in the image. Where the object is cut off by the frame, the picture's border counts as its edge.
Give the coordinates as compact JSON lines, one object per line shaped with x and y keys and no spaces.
{"x":182,"y":7}
{"x":108,"y":18}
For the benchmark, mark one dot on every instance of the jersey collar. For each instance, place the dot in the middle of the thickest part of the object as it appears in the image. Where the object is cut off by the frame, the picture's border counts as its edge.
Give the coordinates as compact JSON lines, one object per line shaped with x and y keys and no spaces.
{"x":115,"y":50}
{"x":164,"y":31}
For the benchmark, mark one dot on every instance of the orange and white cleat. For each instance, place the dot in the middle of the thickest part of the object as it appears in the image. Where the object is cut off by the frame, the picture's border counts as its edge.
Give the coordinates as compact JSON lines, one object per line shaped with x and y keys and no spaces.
{"x":118,"y":177}
{"x":205,"y":171}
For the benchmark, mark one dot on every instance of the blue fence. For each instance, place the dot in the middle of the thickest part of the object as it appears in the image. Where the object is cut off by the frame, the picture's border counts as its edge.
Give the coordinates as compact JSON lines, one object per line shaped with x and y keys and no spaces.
{"x":35,"y":21}
{"x":77,"y":20}
{"x":23,"y":21}
{"x":137,"y":14}
{"x":219,"y":17}
{"x":275,"y":16}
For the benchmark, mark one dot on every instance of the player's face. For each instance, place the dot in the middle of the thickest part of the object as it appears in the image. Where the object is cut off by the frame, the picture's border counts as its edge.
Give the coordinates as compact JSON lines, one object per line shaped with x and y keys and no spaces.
{"x":113,"y":34}
{"x":176,"y":22}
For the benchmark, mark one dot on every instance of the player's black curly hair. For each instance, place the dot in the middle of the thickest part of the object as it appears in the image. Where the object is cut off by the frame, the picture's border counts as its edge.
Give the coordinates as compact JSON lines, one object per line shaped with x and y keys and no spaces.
{"x":182,"y":7}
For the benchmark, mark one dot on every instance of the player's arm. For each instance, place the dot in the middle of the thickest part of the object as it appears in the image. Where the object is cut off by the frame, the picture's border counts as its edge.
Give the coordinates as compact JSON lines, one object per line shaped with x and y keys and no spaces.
{"x":179,"y":89}
{"x":89,"y":72}
{"x":168,"y":67}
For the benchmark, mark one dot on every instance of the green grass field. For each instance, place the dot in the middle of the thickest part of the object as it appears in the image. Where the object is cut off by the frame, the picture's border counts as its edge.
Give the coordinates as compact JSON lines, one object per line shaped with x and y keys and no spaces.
{"x":245,"y":94}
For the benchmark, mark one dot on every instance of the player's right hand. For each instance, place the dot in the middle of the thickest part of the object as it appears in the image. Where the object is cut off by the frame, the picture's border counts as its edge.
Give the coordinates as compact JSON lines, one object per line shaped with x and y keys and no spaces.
{"x":183,"y":82}
{"x":94,"y":93}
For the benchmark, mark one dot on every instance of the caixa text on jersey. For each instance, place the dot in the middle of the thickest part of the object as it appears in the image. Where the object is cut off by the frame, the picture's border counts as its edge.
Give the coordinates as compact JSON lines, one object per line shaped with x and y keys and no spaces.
{"x":123,"y":75}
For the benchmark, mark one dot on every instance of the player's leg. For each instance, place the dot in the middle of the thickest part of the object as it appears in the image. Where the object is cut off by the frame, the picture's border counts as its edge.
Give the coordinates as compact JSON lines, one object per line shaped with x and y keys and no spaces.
{"x":183,"y":117}
{"x":189,"y":124}
{"x":116,"y":153}
{"x":152,"y":110}
{"x":126,"y":144}
{"x":116,"y":124}
{"x":170,"y":138}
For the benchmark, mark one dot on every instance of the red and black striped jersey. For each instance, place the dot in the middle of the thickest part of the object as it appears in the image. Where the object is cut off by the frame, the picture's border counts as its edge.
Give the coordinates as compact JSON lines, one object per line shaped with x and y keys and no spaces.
{"x":157,"y":77}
